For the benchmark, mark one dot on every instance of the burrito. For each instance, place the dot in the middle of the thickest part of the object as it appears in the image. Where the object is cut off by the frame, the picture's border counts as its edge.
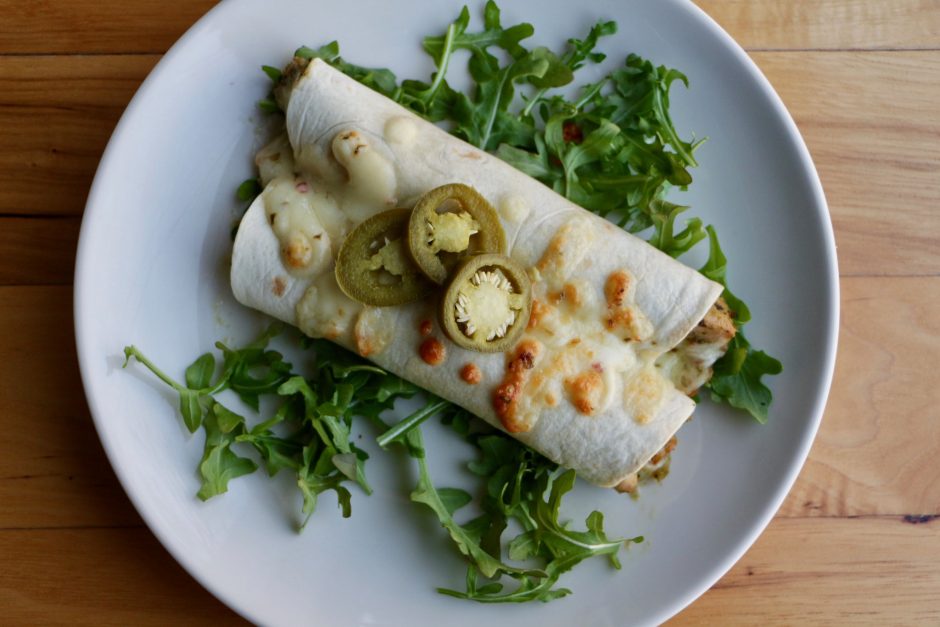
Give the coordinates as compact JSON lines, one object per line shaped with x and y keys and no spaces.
{"x":616,"y":334}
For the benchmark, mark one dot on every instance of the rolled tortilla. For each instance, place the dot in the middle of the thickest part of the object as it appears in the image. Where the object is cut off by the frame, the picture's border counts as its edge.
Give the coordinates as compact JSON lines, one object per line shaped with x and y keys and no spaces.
{"x":607,"y":304}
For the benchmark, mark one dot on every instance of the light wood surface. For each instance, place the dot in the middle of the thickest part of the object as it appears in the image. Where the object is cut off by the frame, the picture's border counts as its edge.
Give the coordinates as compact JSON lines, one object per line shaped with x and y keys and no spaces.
{"x":862,"y":80}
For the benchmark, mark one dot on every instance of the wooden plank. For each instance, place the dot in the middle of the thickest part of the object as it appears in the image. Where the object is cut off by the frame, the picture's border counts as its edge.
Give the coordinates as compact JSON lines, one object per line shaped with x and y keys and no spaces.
{"x":817,"y":571}
{"x":90,"y":26}
{"x":99,"y":577}
{"x":53,"y":472}
{"x":877,"y":449}
{"x":57,"y":114}
{"x":37,"y":250}
{"x":829,"y":24}
{"x":87,"y":26}
{"x":876,"y":149}
{"x":829,"y":572}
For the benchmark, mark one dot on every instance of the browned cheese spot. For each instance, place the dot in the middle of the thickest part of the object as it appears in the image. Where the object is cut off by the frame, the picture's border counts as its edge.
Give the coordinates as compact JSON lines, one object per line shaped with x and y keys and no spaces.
{"x":619,"y":314}
{"x":432,"y":351}
{"x":298,"y":252}
{"x":507,"y":393}
{"x":615,"y":289}
{"x":471,"y":374}
{"x":554,"y":255}
{"x":425,"y":327}
{"x":585,"y":390}
{"x":539,"y":311}
{"x":567,"y":294}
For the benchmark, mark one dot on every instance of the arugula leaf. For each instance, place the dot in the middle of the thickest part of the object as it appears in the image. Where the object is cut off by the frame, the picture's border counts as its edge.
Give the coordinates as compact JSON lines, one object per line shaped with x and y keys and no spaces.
{"x":738,"y":375}
{"x":314,"y":415}
{"x":665,"y":238}
{"x":517,"y":481}
{"x":248,"y":190}
{"x":273,"y":73}
{"x":737,"y":378}
{"x":381,"y":80}
{"x":219,"y":463}
{"x":199,"y":373}
{"x":716,"y":269}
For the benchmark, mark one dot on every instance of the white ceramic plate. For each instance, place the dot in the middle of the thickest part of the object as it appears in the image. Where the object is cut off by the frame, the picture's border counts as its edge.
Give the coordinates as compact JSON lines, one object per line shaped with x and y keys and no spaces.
{"x":152,"y":269}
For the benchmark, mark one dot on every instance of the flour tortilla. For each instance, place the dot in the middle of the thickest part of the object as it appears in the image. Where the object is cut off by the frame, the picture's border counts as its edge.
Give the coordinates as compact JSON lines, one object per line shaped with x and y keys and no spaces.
{"x":603,"y":448}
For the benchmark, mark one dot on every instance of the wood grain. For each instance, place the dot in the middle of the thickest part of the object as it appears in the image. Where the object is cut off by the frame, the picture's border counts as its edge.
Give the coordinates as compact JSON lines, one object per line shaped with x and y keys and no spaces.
{"x":877,"y":150}
{"x":53,"y":472}
{"x":93,"y":26}
{"x":878,"y":446}
{"x":89,"y":26}
{"x":828,"y":24}
{"x":835,"y":571}
{"x":57,"y":114}
{"x":99,"y":577}
{"x":800,"y":571}
{"x":37,"y":250}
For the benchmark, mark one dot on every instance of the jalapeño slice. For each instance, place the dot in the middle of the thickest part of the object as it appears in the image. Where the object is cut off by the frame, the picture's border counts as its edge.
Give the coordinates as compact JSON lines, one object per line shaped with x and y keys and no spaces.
{"x":451,"y":222}
{"x":372,"y":266}
{"x":487,"y":304}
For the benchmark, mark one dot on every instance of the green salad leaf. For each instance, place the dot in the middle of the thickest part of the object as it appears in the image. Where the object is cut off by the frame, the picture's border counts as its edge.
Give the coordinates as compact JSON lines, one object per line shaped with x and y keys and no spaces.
{"x":308,"y":431}
{"x":517,"y":485}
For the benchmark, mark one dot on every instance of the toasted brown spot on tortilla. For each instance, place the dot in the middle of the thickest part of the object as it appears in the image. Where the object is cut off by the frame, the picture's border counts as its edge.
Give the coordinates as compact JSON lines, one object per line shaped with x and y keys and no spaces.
{"x":278,"y":285}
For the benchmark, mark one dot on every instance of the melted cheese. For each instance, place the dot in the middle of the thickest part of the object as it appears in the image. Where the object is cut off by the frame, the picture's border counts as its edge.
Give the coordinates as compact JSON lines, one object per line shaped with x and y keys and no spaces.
{"x":565,"y":251}
{"x":514,"y":208}
{"x":644,"y":393}
{"x":590,"y":361}
{"x":305,"y":243}
{"x":400,"y":130}
{"x":275,"y":159}
{"x":375,"y":329}
{"x":372,"y":184}
{"x":312,"y":213}
{"x":324,"y":311}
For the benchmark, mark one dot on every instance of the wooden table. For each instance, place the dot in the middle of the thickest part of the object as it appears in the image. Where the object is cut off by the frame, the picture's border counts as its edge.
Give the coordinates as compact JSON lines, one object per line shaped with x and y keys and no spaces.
{"x":858,"y":539}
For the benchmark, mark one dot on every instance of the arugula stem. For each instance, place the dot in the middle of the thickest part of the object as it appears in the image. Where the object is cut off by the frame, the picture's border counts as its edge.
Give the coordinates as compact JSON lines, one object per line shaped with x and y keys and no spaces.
{"x":528,"y":107}
{"x":133,"y":351}
{"x":445,"y":61}
{"x":411,"y":422}
{"x":491,"y":116}
{"x":590,"y":93}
